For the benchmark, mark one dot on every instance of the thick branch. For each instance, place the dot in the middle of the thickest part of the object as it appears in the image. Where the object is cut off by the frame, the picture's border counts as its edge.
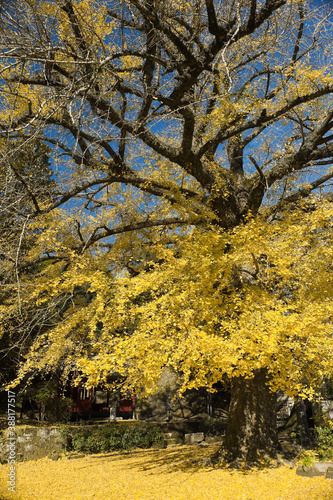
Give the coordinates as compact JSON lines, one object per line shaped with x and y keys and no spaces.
{"x":223,"y":135}
{"x":166,"y":30}
{"x":213,"y":26}
{"x":225,"y":37}
{"x":106,"y":232}
{"x":300,"y":194}
{"x":300,"y":32}
{"x":252,"y":16}
{"x":306,"y":152}
{"x":68,"y":8}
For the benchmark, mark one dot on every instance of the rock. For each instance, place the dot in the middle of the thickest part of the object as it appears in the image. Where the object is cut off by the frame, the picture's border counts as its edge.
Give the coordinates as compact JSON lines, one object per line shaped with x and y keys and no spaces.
{"x":27,"y":436}
{"x":213,"y":439}
{"x":320,"y":468}
{"x":194,"y":438}
{"x":55,"y":433}
{"x":42,"y":433}
{"x":173,"y":438}
{"x":157,"y":446}
{"x":317,"y":469}
{"x":173,"y":434}
{"x":305,"y":471}
{"x":329,"y":473}
{"x":203,"y":443}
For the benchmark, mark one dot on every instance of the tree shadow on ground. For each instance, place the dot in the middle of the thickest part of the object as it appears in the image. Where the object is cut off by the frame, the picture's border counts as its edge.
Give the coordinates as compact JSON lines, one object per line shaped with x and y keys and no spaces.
{"x":175,"y":459}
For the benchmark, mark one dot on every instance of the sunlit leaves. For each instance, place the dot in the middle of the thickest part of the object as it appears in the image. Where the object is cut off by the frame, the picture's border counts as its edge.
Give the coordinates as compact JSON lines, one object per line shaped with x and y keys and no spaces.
{"x":155,"y":474}
{"x":213,"y":303}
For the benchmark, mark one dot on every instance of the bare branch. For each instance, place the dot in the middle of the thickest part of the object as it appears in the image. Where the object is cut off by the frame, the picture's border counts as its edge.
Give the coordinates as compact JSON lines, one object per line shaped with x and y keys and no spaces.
{"x":27,"y":187}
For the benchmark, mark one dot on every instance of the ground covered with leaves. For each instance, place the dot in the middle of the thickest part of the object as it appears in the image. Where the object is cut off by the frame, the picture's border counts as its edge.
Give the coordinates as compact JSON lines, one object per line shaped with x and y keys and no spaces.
{"x":172,"y":474}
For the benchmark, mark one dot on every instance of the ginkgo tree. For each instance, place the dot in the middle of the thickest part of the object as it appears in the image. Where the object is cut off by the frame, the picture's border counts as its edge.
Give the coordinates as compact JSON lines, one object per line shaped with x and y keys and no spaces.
{"x":189,"y":140}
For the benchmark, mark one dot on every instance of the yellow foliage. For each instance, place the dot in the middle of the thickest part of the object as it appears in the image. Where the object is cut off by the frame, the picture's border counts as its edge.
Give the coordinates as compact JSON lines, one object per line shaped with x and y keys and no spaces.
{"x":173,"y":474}
{"x":214,"y":303}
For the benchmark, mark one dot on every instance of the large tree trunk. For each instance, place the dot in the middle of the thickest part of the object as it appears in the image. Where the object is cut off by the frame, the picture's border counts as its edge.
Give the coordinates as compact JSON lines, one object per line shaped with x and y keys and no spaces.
{"x":251,"y":432}
{"x":303,"y":424}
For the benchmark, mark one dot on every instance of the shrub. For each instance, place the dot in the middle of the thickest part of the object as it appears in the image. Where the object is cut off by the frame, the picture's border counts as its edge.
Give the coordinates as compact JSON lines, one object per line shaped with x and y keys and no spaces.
{"x":325,"y":441}
{"x":114,"y":437}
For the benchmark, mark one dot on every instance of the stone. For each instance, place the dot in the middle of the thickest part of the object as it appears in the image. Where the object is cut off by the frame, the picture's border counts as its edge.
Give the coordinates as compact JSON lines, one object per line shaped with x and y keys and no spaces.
{"x":320,"y":468}
{"x":172,"y":442}
{"x":329,"y":473}
{"x":317,"y":469}
{"x":42,"y":433}
{"x":213,"y":439}
{"x":194,"y":438}
{"x":305,"y":471}
{"x":157,"y":446}
{"x":112,"y":413}
{"x":55,"y":433}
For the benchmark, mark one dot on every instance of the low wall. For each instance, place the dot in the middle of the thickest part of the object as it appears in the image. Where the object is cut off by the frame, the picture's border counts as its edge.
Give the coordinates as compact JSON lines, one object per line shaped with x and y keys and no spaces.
{"x":32,"y":443}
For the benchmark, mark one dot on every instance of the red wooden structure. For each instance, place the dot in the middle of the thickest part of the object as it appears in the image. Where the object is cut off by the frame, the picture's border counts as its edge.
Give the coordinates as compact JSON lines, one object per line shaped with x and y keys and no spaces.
{"x":90,"y":403}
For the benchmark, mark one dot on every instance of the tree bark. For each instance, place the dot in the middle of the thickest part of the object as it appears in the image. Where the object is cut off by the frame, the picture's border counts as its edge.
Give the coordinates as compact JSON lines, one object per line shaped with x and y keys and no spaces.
{"x":251,"y":432}
{"x":306,"y":440}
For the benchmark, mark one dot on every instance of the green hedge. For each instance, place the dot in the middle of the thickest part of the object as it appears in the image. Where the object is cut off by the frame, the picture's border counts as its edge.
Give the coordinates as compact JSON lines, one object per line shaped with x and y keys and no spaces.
{"x":112,"y":437}
{"x":325,"y":442}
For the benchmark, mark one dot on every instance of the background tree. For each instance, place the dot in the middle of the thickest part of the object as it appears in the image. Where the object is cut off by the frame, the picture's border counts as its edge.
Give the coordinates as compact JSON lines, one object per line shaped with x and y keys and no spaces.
{"x":165,"y":117}
{"x":25,"y":177}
